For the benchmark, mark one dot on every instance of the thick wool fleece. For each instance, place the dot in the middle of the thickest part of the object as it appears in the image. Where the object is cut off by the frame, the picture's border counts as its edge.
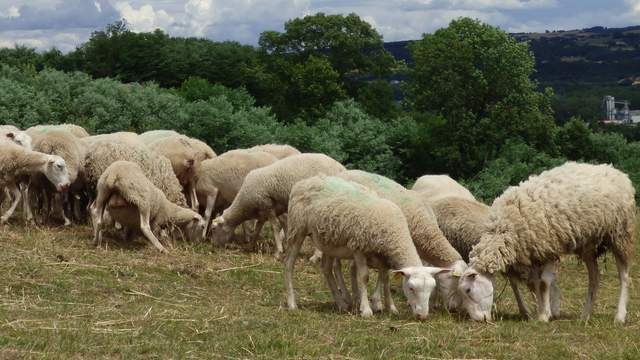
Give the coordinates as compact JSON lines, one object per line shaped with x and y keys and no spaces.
{"x":121,"y":136}
{"x":461,"y":221}
{"x":77,"y":131}
{"x":269,"y":187}
{"x":434,"y":187}
{"x":128,"y":179}
{"x":279,"y":151}
{"x":431,"y":244}
{"x":343,"y":213}
{"x":16,"y":162}
{"x":570,"y":209}
{"x":227,"y":171}
{"x":180,"y":151}
{"x":156,"y":168}
{"x":67,"y":146}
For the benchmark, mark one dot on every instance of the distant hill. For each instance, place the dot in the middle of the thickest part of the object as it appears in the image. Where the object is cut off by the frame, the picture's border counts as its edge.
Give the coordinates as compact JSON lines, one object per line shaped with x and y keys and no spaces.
{"x":570,"y":59}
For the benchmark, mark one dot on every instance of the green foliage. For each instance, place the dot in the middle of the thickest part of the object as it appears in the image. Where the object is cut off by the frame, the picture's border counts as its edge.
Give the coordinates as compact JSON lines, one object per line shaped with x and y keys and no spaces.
{"x":195,"y":88}
{"x":20,"y":103}
{"x":477,"y":79}
{"x":515,"y":164}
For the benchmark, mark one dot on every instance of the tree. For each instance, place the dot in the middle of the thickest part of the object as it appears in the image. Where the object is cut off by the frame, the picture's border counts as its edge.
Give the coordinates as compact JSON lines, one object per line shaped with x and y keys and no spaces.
{"x":477,"y":79}
{"x":341,"y":49}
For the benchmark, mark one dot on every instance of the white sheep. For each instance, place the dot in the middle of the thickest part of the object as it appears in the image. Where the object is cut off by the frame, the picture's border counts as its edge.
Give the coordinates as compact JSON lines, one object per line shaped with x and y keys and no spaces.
{"x":219,"y":179}
{"x":120,"y":136}
{"x":279,"y":151}
{"x":72,"y":150}
{"x":577,"y":209}
{"x":35,"y":131}
{"x":431,"y":244}
{"x":434,"y":187}
{"x":156,"y":167}
{"x":137,"y":204}
{"x":14,"y":134}
{"x":264,"y":195}
{"x":17,"y":162}
{"x":462,"y":223}
{"x":346,"y":220}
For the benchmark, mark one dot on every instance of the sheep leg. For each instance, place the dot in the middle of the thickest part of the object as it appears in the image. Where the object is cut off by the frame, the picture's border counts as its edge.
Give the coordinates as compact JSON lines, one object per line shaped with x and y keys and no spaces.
{"x":546,"y":279}
{"x":327,"y":271}
{"x":246,"y":231}
{"x":13,"y":189}
{"x":623,"y":275}
{"x":337,"y":270}
{"x":256,"y":234}
{"x":192,"y":195}
{"x":28,"y":211}
{"x":384,"y":275}
{"x":273,"y":220}
{"x":556,"y":293}
{"x":295,"y":243}
{"x":376,"y":298}
{"x":211,"y":201}
{"x":66,"y":210}
{"x":594,"y":281}
{"x":128,"y":234}
{"x":146,"y":230}
{"x":316,"y":257}
{"x":96,"y":211}
{"x":363,"y":273}
{"x":353,"y":276}
{"x":522,"y":306}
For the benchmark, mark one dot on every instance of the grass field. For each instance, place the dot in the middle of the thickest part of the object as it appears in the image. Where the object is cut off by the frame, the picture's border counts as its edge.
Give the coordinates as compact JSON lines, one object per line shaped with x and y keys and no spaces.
{"x":60,"y":298}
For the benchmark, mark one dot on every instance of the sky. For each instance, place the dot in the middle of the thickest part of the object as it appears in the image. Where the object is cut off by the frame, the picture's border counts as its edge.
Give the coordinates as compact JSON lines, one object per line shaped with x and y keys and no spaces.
{"x":43,"y":24}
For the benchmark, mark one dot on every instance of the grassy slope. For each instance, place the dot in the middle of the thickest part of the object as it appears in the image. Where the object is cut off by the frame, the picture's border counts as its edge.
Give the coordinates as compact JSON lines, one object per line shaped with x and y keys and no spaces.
{"x":61,"y":298}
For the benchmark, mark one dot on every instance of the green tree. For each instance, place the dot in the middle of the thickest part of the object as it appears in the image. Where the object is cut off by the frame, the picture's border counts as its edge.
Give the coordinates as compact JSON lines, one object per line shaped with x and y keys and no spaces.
{"x":478,"y":80}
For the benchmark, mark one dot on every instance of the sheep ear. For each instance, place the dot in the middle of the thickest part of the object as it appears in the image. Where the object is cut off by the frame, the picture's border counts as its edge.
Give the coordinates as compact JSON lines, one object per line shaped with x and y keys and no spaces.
{"x":50,"y":160}
{"x":457,"y":273}
{"x":472,"y":275}
{"x":195,"y":218}
{"x":436,"y":270}
{"x":10,"y":135}
{"x":397,"y":274}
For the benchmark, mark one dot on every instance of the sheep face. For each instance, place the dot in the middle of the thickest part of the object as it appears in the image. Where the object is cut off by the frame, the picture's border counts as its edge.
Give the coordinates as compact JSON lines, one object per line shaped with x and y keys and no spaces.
{"x":220,"y":233}
{"x":448,"y":286}
{"x":418,"y":283}
{"x":21,"y":139}
{"x":56,"y":171}
{"x":476,"y":290}
{"x":195,"y":228}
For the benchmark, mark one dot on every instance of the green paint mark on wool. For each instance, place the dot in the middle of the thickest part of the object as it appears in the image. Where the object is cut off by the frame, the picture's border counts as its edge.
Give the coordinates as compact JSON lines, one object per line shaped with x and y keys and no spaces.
{"x":381,"y":182}
{"x":336,"y":184}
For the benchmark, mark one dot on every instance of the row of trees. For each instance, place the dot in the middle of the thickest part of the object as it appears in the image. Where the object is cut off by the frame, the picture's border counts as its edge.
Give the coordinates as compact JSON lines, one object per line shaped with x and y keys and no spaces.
{"x":470,"y":107}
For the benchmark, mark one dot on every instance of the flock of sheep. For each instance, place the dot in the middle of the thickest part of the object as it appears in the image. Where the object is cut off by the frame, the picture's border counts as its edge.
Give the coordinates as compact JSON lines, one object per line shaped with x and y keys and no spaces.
{"x":167,"y":186}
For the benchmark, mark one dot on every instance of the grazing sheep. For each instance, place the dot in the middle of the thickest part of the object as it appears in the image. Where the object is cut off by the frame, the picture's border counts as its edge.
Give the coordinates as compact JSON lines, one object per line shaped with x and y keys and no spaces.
{"x":156,"y":167}
{"x":120,"y":136}
{"x":14,"y":134}
{"x":17,"y":162}
{"x":575,"y":208}
{"x":185,"y":159}
{"x":137,"y":204}
{"x":431,"y":244}
{"x":219,"y":179}
{"x":203,"y":151}
{"x":36,"y":131}
{"x":264,"y":195}
{"x":462,"y":223}
{"x":346,"y":220}
{"x":434,"y":187}
{"x":279,"y":151}
{"x":72,"y":150}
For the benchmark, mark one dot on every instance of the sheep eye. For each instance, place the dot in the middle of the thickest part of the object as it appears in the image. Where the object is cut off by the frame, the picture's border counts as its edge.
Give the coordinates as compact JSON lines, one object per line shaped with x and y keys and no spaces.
{"x":468,"y":290}
{"x":411,"y":287}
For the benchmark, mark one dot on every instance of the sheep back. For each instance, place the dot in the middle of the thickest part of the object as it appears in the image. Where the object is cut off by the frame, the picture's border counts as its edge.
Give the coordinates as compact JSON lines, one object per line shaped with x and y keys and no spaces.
{"x":279,"y":151}
{"x":573,"y":208}
{"x":434,"y":187}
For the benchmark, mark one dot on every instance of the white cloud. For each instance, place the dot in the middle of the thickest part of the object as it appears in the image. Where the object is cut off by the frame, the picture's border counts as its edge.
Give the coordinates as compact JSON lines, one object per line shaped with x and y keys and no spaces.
{"x":477,"y":4}
{"x":145,"y":19}
{"x":10,"y":13}
{"x":97,"y":4}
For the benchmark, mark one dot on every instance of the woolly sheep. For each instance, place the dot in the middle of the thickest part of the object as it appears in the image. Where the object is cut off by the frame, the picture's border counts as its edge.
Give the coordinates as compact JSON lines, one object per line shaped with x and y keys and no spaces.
{"x":72,"y":150}
{"x":156,"y":168}
{"x":462,"y":223}
{"x":36,"y":131}
{"x":431,"y":244}
{"x":185,"y":161}
{"x":577,"y":209}
{"x":120,"y":136}
{"x":150,"y":136}
{"x":264,"y":195}
{"x":14,"y":134}
{"x":279,"y":151}
{"x":137,"y":204}
{"x":219,"y":179}
{"x":203,"y":151}
{"x":346,"y":220}
{"x":434,"y":187}
{"x":16,"y":162}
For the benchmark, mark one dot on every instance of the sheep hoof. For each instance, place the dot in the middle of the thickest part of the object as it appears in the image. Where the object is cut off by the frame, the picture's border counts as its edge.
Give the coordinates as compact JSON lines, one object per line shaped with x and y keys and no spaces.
{"x":393,"y":310}
{"x":376,"y":305}
{"x":366,"y":312}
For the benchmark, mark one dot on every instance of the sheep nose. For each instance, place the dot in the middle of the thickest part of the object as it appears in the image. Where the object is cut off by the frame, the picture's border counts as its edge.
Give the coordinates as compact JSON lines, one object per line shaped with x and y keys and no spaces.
{"x":64,"y":187}
{"x":421,"y":317}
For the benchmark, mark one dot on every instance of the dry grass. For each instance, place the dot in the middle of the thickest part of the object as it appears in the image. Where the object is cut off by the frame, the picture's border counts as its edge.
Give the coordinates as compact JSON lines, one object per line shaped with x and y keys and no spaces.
{"x":62,"y":299}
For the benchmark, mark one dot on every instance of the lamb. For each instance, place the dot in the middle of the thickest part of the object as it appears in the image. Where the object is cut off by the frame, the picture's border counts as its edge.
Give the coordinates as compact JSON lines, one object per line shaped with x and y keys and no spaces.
{"x":219,"y":179}
{"x":431,"y":244}
{"x":279,"y":151}
{"x":264,"y":195}
{"x":575,"y":208}
{"x":14,"y":134}
{"x":462,"y":223}
{"x":36,"y":131}
{"x":185,"y":159}
{"x":72,"y":150}
{"x":157,"y":168}
{"x":137,"y":204}
{"x":346,"y":220}
{"x":16,"y":162}
{"x":434,"y":187}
